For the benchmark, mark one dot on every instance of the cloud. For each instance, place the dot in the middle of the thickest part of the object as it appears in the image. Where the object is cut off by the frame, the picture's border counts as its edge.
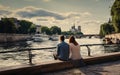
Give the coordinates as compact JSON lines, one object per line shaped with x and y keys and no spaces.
{"x":86,"y":14}
{"x":42,"y":14}
{"x":72,"y":14}
{"x":96,"y":0}
{"x":28,"y":0}
{"x":91,"y":26}
{"x":91,"y":22}
{"x":51,"y":18}
{"x":29,"y":12}
{"x":47,"y":0}
{"x":3,"y":7}
{"x":4,"y":10}
{"x":41,"y":0}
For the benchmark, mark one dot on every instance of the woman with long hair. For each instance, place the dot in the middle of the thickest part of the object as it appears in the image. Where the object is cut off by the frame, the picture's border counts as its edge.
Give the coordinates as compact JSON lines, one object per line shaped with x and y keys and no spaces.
{"x":75,"y":52}
{"x":74,"y":49}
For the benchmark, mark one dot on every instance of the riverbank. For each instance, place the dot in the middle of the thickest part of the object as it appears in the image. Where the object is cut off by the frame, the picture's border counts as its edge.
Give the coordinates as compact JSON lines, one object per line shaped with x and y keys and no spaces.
{"x":50,"y":67}
{"x":13,"y":37}
{"x":110,"y":68}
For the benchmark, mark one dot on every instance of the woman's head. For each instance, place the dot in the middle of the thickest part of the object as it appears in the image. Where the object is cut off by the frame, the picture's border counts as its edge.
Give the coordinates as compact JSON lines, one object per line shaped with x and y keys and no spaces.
{"x":72,"y":40}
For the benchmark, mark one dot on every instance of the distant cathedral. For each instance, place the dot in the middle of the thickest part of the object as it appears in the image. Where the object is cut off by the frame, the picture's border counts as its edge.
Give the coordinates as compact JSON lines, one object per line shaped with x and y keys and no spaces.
{"x":73,"y":29}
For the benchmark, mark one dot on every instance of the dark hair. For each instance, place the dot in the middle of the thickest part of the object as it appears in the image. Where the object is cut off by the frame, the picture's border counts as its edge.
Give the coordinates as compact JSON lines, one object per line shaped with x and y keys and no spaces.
{"x":72,"y":40}
{"x":62,"y":38}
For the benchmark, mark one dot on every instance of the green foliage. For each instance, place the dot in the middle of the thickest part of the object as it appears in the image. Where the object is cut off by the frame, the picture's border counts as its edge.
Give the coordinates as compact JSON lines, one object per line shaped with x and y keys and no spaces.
{"x":24,"y":26}
{"x":55,"y":30}
{"x":114,"y":26}
{"x":71,"y":33}
{"x":115,"y":13}
{"x":106,"y":28}
{"x":79,"y":33}
{"x":67,"y":33}
{"x":7,"y":25}
{"x":50,"y":31}
{"x":12,"y":25}
{"x":45,"y":29}
{"x":32,"y":28}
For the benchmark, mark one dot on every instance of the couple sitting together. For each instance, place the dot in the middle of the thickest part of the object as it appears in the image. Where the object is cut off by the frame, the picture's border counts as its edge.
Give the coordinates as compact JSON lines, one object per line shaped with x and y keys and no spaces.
{"x":67,"y":51}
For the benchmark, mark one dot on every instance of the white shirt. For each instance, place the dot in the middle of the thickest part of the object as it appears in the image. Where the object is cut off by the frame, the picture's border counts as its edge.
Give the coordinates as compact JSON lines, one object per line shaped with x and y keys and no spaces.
{"x":75,"y":51}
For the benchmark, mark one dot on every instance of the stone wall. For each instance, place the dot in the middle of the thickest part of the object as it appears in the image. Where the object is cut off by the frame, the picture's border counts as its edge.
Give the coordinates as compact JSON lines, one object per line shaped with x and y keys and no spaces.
{"x":13,"y":37}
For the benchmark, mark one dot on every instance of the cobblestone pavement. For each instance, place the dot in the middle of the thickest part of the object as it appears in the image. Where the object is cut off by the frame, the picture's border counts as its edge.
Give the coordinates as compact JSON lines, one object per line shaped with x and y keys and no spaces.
{"x":111,"y":68}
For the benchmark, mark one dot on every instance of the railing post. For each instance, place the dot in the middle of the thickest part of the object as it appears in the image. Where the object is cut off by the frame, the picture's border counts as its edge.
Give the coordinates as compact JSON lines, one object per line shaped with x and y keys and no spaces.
{"x":30,"y":56}
{"x":89,"y":52}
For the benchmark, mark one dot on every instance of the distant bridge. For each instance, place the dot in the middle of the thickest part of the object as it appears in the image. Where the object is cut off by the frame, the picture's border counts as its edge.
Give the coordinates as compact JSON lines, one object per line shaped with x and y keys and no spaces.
{"x":85,"y":35}
{"x":91,"y":35}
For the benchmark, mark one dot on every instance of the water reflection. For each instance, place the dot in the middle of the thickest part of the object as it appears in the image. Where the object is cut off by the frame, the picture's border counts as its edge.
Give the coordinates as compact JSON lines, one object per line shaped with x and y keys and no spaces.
{"x":112,"y":48}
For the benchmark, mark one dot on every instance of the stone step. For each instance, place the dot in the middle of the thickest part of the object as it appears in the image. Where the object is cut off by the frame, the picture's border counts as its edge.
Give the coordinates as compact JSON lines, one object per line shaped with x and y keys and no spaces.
{"x":56,"y":65}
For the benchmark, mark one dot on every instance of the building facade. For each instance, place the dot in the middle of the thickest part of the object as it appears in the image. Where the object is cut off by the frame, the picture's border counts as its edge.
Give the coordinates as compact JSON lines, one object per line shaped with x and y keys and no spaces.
{"x":73,"y":29}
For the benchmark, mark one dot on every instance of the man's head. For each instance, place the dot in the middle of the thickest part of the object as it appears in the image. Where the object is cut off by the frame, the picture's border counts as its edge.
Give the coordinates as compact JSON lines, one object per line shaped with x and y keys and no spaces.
{"x":62,"y":38}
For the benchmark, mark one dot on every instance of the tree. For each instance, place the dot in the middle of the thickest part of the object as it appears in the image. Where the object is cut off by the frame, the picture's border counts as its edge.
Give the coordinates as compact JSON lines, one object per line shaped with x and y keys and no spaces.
{"x":115,"y":13}
{"x":12,"y":25}
{"x":55,"y":30}
{"x":1,"y":27}
{"x":79,"y":33}
{"x":45,"y":29}
{"x":7,"y":25}
{"x":32,"y":29}
{"x":106,"y":28}
{"x":68,"y":33}
{"x":25,"y":27}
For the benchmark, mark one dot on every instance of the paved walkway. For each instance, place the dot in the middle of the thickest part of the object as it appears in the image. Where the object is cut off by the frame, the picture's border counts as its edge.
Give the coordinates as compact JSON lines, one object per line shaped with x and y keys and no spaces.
{"x":111,"y":68}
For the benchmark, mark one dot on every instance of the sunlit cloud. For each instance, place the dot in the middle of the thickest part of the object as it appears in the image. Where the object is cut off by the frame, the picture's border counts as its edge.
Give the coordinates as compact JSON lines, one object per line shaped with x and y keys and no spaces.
{"x":4,"y":11}
{"x":29,"y":12}
{"x":87,"y":14}
{"x":3,"y":7}
{"x":47,"y":0}
{"x":49,"y":18}
{"x":96,"y":0}
{"x":28,"y":0}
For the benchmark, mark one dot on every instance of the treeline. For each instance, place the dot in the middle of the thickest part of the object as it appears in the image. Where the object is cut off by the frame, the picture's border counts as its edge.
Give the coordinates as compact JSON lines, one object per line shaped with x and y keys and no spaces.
{"x":57,"y":30}
{"x":72,"y":33}
{"x":12,"y":25}
{"x":114,"y":25}
{"x":50,"y":31}
{"x":106,"y":28}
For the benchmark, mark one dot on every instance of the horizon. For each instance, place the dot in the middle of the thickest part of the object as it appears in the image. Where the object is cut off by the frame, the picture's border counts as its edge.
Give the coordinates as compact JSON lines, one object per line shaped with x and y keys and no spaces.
{"x":89,"y":14}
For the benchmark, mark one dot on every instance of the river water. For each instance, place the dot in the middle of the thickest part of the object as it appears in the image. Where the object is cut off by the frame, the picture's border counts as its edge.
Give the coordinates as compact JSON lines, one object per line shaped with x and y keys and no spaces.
{"x":18,"y":58}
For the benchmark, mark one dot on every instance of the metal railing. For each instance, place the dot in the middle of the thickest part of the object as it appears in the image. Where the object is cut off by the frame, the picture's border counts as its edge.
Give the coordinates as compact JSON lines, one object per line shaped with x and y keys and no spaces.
{"x":32,"y":49}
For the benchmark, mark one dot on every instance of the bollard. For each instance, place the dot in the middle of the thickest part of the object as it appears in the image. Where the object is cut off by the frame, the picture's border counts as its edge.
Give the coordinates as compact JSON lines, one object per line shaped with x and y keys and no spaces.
{"x":89,"y":53}
{"x":30,"y":56}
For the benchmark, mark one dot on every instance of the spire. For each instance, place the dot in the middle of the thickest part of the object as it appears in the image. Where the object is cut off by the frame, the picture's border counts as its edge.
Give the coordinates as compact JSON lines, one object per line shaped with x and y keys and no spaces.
{"x":109,"y":20}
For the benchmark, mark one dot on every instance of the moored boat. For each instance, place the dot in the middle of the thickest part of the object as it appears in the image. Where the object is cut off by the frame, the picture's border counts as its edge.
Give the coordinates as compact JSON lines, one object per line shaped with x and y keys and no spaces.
{"x":37,"y":38}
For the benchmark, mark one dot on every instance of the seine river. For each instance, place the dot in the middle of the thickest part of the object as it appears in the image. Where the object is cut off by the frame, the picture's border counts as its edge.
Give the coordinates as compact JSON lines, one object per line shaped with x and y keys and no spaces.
{"x":18,"y":58}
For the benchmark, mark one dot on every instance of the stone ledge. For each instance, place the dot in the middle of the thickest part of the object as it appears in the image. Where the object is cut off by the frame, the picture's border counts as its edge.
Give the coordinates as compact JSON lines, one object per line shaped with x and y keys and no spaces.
{"x":55,"y":65}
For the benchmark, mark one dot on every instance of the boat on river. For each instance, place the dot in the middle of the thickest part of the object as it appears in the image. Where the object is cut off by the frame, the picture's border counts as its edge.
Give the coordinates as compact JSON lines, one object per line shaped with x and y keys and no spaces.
{"x":53,"y":38}
{"x":37,"y":38}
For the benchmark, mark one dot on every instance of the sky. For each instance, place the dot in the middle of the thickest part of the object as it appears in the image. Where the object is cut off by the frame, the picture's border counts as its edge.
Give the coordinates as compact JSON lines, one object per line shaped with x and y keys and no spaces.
{"x":89,"y":14}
